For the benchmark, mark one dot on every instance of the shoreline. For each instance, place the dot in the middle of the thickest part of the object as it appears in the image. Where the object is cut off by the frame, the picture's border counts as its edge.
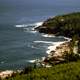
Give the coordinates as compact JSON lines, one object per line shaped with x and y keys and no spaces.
{"x":50,"y":49}
{"x":9,"y":73}
{"x":55,"y":50}
{"x":55,"y":53}
{"x":57,"y":44}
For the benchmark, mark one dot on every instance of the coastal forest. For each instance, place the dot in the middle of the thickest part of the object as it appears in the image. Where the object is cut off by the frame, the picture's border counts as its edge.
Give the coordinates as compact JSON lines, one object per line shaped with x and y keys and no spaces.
{"x":67,"y":25}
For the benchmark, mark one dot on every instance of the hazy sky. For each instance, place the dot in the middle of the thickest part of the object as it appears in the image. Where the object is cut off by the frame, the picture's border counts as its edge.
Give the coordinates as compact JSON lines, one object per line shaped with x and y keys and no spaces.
{"x":10,"y":8}
{"x":37,"y":2}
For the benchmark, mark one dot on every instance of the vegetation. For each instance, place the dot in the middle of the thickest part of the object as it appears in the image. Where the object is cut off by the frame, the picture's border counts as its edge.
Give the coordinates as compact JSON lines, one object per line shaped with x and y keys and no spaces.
{"x":66,"y":71}
{"x":65,"y":25}
{"x":70,"y":57}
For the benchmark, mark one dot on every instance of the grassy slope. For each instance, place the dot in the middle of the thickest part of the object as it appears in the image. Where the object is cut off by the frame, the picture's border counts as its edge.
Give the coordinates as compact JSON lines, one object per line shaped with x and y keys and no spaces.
{"x":67,"y":71}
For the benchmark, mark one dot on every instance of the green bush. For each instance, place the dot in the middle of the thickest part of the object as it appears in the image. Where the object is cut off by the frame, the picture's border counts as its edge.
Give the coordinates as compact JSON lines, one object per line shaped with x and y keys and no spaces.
{"x":66,"y":71}
{"x":67,"y":25}
{"x":69,"y":57}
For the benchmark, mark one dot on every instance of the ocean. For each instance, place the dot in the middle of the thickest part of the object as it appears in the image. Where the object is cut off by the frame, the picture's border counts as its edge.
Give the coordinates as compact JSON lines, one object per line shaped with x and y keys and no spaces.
{"x":19,"y":43}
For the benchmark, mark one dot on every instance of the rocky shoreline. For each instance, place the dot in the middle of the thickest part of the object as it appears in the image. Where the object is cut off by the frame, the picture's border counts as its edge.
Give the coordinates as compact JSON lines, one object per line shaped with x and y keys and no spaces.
{"x":9,"y":73}
{"x":56,"y":56}
{"x":65,"y":25}
{"x":54,"y":52}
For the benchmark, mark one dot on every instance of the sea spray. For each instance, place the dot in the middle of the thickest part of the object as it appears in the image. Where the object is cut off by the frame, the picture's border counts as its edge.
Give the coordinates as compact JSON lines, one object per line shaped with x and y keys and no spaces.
{"x":28,"y":25}
{"x":47,"y":35}
{"x":48,"y":42}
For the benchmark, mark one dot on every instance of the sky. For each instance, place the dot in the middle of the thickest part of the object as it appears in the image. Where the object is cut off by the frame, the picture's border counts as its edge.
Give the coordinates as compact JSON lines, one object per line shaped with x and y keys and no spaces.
{"x":39,"y":2}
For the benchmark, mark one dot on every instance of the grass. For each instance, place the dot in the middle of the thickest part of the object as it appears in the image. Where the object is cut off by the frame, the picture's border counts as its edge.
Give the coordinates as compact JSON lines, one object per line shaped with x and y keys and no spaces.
{"x":66,"y":71}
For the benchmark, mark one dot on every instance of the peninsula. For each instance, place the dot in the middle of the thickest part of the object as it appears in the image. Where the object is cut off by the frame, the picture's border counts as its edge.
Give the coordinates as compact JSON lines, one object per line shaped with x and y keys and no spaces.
{"x":67,"y":25}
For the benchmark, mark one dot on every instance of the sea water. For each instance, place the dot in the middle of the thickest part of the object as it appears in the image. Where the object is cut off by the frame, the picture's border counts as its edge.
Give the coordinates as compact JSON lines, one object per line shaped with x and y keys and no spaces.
{"x":19,"y":43}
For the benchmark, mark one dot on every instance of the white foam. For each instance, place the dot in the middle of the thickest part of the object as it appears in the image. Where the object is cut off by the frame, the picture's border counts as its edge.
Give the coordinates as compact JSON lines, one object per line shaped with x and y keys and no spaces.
{"x":68,"y":39}
{"x":48,"y":35}
{"x":48,"y":42}
{"x":33,"y":31}
{"x":29,"y":30}
{"x":35,"y":61}
{"x":56,"y":44}
{"x":53,"y":48}
{"x":33,"y":24}
{"x":31,"y":61}
{"x":37,"y":25}
{"x":24,"y":25}
{"x":29,"y":27}
{"x":19,"y":26}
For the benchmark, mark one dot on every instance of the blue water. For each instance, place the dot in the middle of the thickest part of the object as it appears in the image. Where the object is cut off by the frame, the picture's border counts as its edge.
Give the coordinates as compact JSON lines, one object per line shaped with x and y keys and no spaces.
{"x":17,"y":44}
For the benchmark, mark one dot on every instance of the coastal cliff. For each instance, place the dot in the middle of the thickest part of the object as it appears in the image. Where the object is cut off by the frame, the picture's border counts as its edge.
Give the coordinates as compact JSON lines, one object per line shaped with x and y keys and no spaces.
{"x":66,"y":52}
{"x":66,"y":25}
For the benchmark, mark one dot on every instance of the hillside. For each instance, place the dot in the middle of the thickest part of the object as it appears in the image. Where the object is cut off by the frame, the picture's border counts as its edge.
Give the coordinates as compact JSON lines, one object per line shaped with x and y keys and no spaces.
{"x":67,"y":25}
{"x":66,"y":71}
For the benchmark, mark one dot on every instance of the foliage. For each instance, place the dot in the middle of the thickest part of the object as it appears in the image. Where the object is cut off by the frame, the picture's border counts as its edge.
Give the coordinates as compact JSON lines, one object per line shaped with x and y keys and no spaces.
{"x":69,"y":57}
{"x":67,"y":25}
{"x":66,"y":71}
{"x":27,"y":70}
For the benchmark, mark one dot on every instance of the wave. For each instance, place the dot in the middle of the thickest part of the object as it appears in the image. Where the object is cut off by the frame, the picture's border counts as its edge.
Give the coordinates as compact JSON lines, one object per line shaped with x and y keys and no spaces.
{"x":19,"y":26}
{"x":68,"y":39}
{"x":53,"y":48}
{"x":34,"y":61}
{"x":29,"y":30}
{"x":47,"y":35}
{"x":33,"y":46}
{"x":28,"y":25}
{"x":48,"y":42}
{"x":36,"y":25}
{"x":31,"y":61}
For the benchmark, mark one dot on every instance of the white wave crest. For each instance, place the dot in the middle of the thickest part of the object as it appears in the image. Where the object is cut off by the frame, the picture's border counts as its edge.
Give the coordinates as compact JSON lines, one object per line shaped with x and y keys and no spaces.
{"x":68,"y":39}
{"x":53,"y":48}
{"x":19,"y":26}
{"x":37,"y":24}
{"x":29,"y":30}
{"x":28,"y":25}
{"x":48,"y":35}
{"x":31,"y":61}
{"x":34,"y":61}
{"x":48,"y":42}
